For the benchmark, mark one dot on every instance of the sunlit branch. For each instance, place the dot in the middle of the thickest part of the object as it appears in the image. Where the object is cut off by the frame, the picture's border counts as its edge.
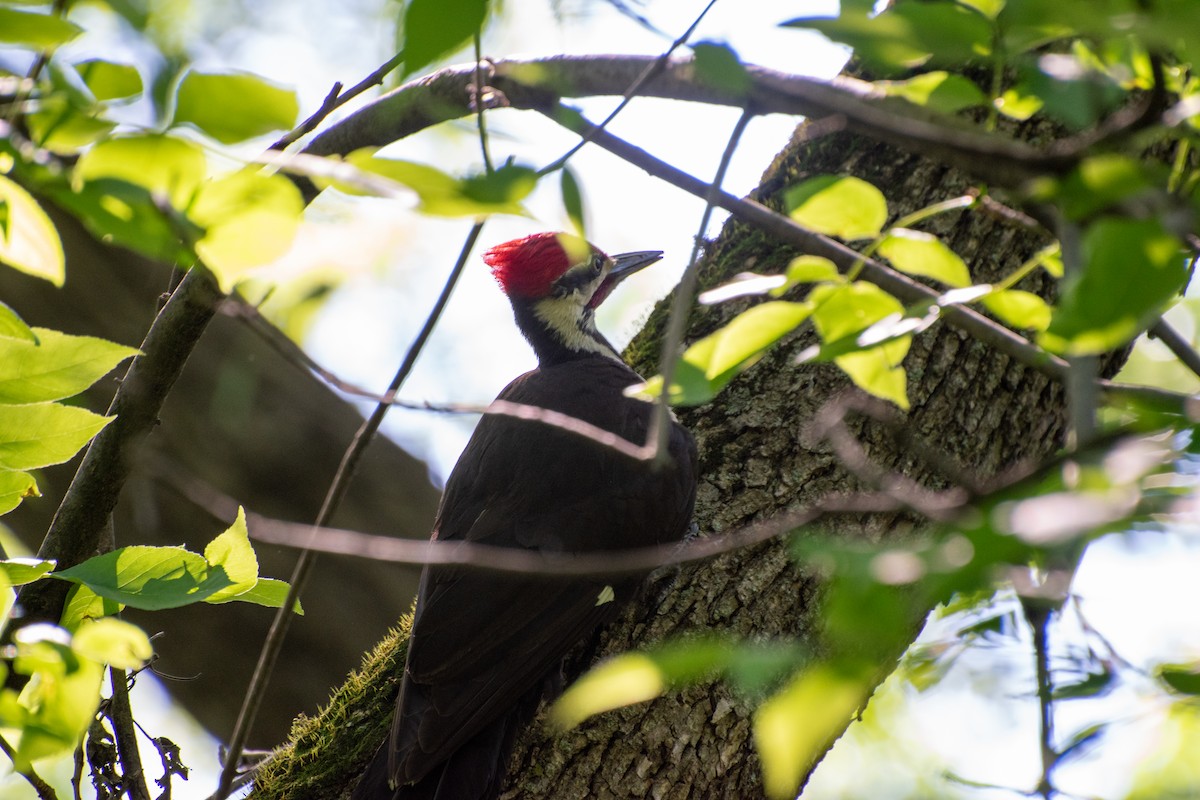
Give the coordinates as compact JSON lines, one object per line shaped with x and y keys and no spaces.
{"x":538,"y":83}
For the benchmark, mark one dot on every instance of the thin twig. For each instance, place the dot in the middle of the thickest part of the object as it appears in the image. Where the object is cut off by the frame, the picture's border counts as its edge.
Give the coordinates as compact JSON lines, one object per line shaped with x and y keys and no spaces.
{"x":510,"y":560}
{"x":652,"y":70}
{"x":271,"y":647}
{"x":1038,"y":615}
{"x":480,"y":121}
{"x":684,"y":297}
{"x":1178,"y":345}
{"x":120,"y":714}
{"x":337,"y":98}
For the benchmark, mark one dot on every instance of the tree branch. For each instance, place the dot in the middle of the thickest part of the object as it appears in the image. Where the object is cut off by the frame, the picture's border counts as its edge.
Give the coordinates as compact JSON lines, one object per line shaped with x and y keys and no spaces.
{"x":78,"y":526}
{"x":534,"y":83}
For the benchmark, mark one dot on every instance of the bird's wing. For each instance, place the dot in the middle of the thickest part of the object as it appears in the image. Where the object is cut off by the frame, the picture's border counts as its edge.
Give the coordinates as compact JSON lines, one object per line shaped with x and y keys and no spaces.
{"x":483,"y":641}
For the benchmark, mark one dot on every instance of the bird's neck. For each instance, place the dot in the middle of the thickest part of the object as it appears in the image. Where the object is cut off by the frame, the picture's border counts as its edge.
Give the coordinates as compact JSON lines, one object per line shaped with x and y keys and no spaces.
{"x":558,"y":332}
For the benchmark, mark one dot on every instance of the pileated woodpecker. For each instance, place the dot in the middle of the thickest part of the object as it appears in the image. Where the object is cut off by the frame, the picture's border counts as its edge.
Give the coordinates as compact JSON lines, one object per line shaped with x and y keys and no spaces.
{"x":485,"y":648}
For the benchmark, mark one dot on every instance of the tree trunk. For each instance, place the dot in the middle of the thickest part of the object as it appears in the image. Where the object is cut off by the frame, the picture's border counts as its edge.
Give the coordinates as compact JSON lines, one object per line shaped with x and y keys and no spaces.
{"x":757,"y":459}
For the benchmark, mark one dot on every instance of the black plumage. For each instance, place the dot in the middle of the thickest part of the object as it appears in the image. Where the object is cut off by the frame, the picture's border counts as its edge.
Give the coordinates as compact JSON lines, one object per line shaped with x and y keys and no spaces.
{"x":485,"y":646}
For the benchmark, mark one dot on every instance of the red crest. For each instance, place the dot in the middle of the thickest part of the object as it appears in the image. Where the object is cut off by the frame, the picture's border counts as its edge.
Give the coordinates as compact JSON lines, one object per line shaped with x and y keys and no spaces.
{"x":528,"y":267}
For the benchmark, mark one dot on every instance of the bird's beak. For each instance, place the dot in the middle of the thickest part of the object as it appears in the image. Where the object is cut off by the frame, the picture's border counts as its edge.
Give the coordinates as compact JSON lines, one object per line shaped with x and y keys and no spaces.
{"x":626,"y":264}
{"x":623,"y":266}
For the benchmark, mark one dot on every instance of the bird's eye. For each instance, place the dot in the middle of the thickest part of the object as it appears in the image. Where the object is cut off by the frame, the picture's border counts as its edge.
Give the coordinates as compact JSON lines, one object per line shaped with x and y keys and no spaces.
{"x":597,"y":264}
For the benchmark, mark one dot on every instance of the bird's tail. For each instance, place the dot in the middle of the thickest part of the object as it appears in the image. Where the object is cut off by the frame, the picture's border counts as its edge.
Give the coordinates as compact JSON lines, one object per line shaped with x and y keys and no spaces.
{"x":474,"y":771}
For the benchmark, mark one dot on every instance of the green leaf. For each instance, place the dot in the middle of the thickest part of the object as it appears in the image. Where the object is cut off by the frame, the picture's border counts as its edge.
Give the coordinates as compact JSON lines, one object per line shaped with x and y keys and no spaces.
{"x":122,"y":213}
{"x":62,"y":128}
{"x":938,"y":91}
{"x":15,"y":486}
{"x":711,"y":363}
{"x":793,"y":728}
{"x":572,"y":197}
{"x":83,"y":604}
{"x":435,"y":28}
{"x":28,"y":240}
{"x":846,"y":207}
{"x":232,"y":107}
{"x":743,"y":341}
{"x":269,"y":592}
{"x":1099,"y":182}
{"x":989,"y":8}
{"x":626,"y":679}
{"x":114,"y":642}
{"x":56,"y":707}
{"x":718,"y":65}
{"x":1070,"y":91}
{"x":20,"y":571}
{"x":1092,"y":684}
{"x":41,"y":434}
{"x":1131,"y":269}
{"x":231,"y":551}
{"x":108,"y":80}
{"x":1018,"y":103}
{"x":444,"y":195}
{"x":39,"y":31}
{"x":13,"y":327}
{"x":842,"y":311}
{"x":150,"y":578}
{"x":1019,"y":309}
{"x":920,"y":253}
{"x":249,"y":219}
{"x":58,"y":366}
{"x":161,"y":164}
{"x":812,"y":269}
{"x":908,"y":35}
{"x":1182,"y":678}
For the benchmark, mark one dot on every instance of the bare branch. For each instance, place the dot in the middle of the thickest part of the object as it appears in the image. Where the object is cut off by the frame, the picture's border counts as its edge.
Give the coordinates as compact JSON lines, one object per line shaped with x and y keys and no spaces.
{"x":537,"y":83}
{"x":508,"y":560}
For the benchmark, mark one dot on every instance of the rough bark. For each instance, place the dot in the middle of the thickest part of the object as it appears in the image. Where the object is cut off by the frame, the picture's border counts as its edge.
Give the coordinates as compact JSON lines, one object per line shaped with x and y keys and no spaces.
{"x":260,"y":430}
{"x":757,"y":459}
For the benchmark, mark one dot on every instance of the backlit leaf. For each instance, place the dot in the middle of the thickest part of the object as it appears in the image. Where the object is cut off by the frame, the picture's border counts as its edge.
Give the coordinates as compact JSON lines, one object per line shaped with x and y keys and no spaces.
{"x":114,"y":642}
{"x":13,"y":327}
{"x":232,"y":551}
{"x":717,"y":65}
{"x":149,"y":578}
{"x":1019,"y":309}
{"x":41,"y":434}
{"x":435,"y":28}
{"x":938,"y":91}
{"x":28,"y":239}
{"x":40,"y":31}
{"x":161,"y":164}
{"x":249,"y":219}
{"x":846,"y":207}
{"x":58,"y":366}
{"x":1131,"y":269}
{"x":793,"y":728}
{"x":626,"y":679}
{"x":920,"y":253}
{"x":15,"y":486}
{"x":234,"y":106}
{"x":109,"y":80}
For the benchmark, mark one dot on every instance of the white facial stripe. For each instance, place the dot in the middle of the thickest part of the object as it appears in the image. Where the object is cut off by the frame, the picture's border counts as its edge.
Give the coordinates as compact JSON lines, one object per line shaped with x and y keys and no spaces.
{"x":573,"y":324}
